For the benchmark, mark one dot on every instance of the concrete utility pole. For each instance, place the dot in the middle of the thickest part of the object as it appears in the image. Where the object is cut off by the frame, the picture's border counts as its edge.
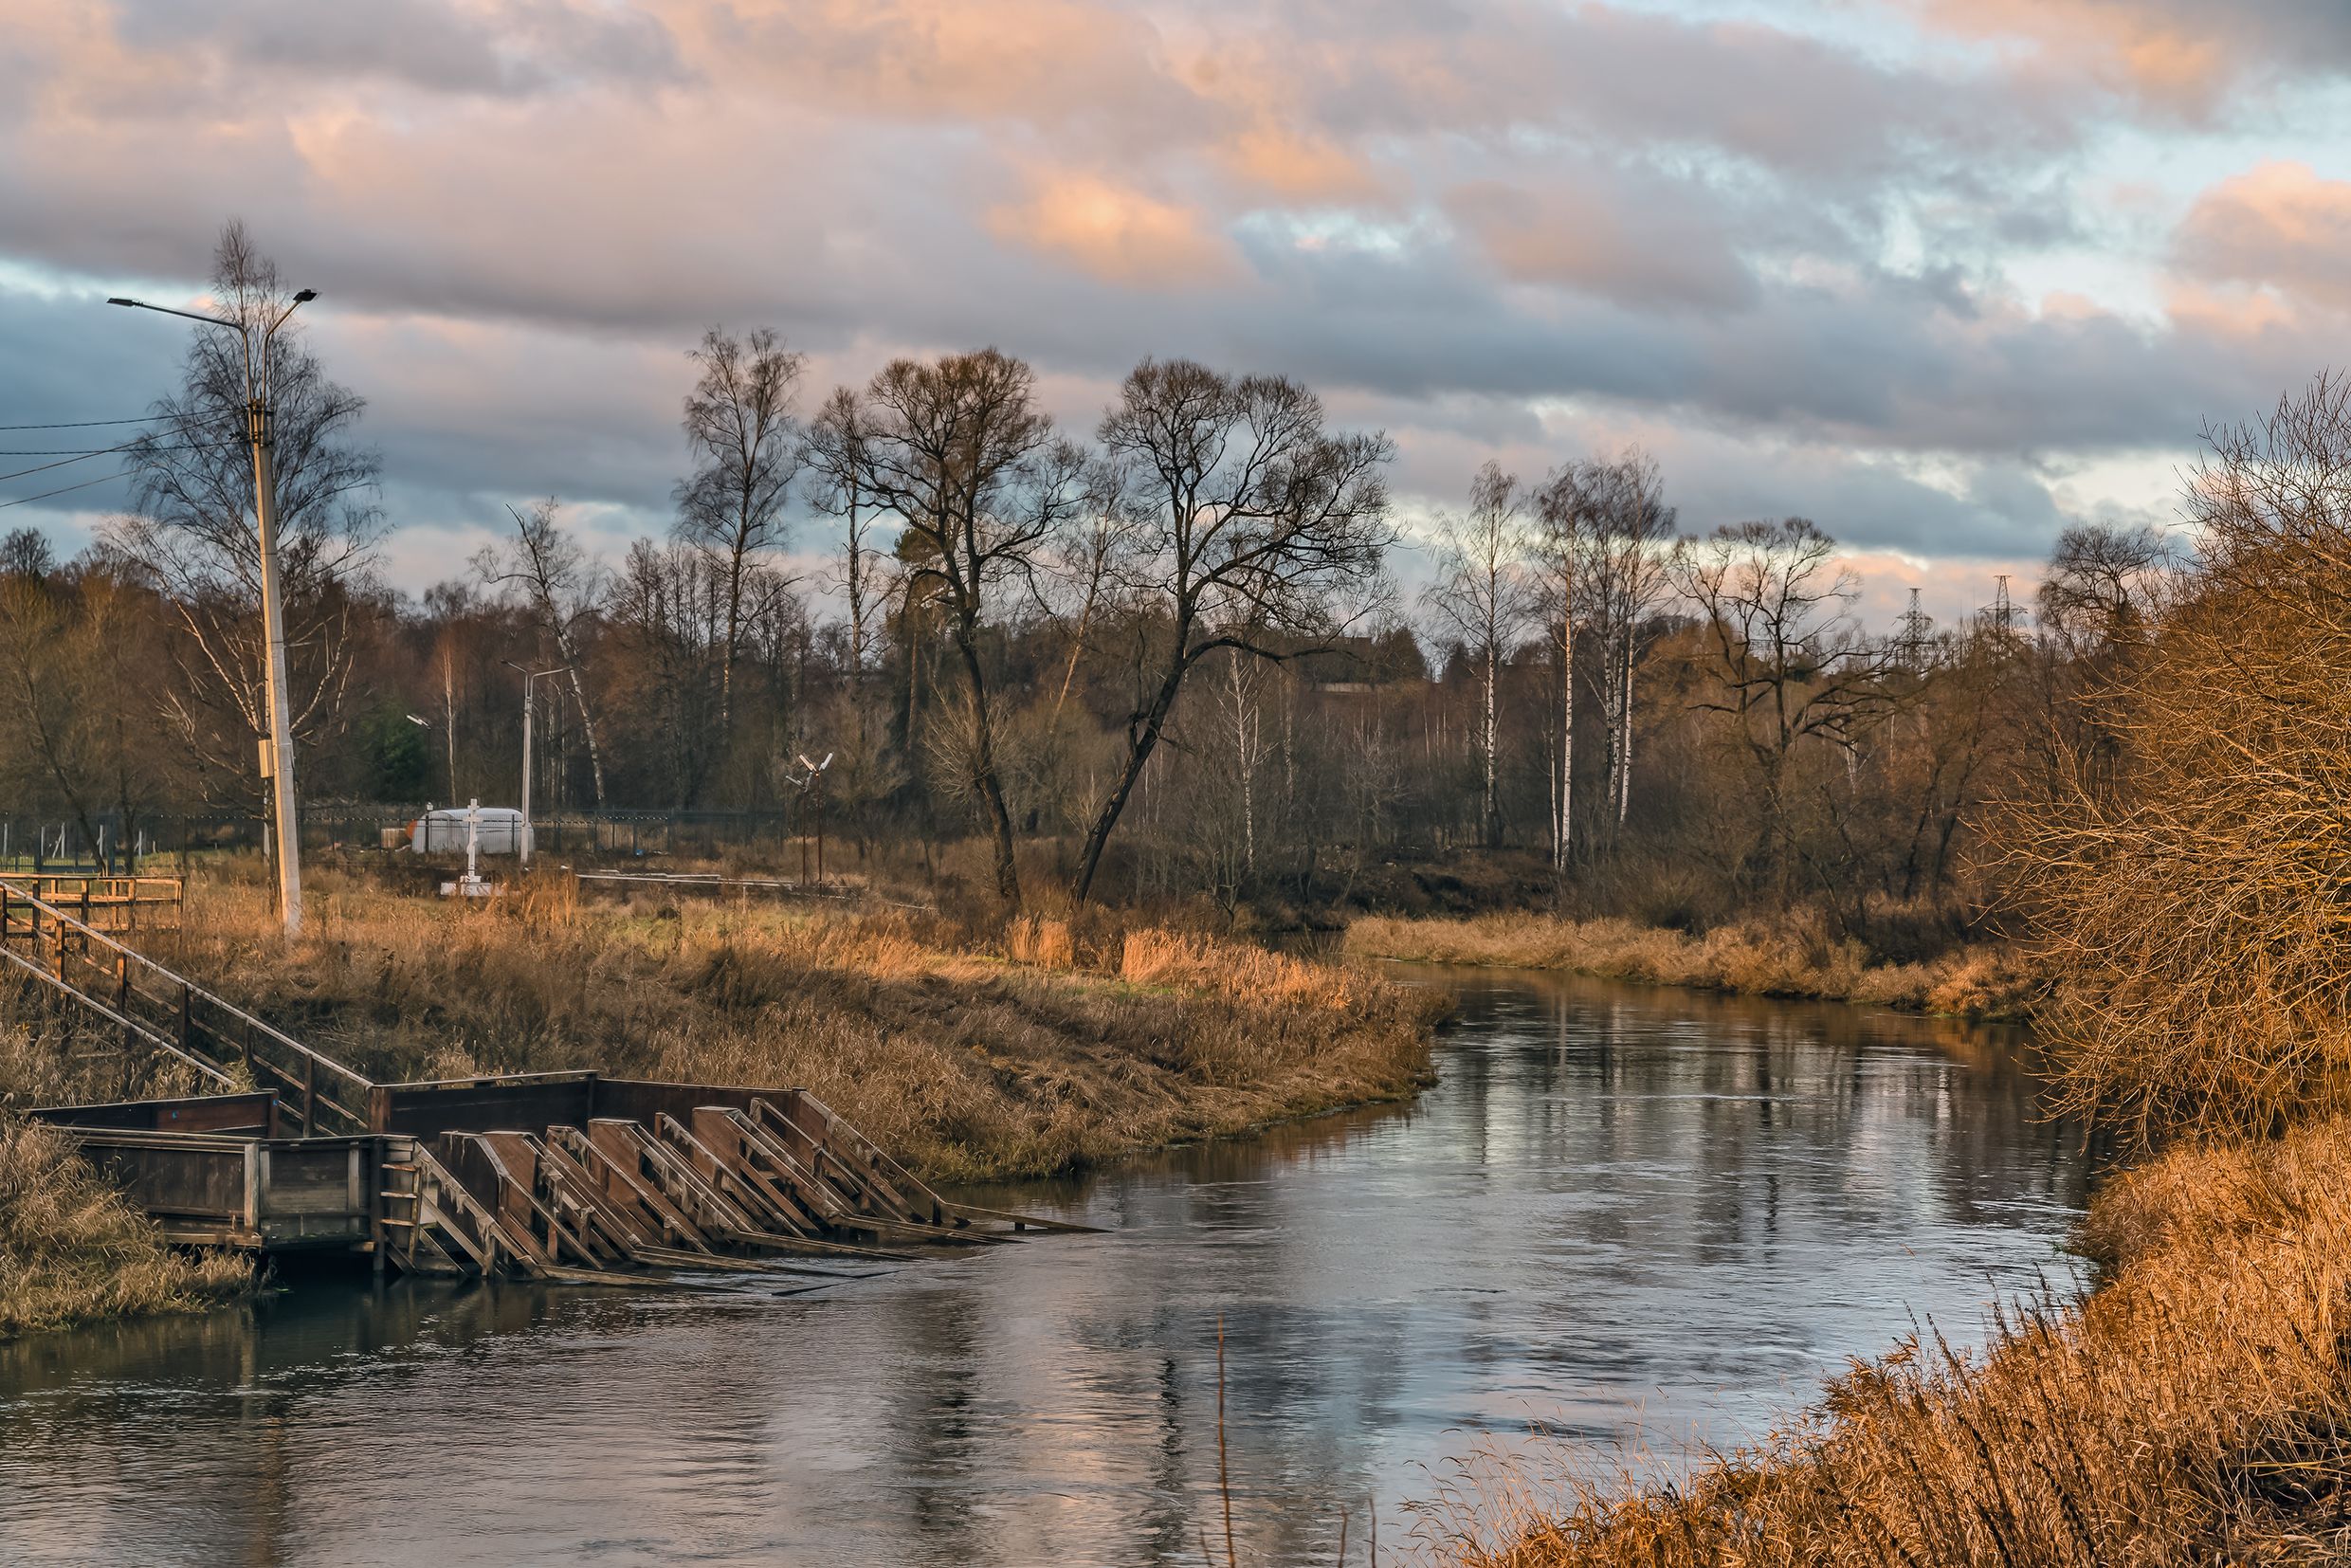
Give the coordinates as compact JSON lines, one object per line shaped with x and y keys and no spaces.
{"x":276,"y":750}
{"x":530,"y":682}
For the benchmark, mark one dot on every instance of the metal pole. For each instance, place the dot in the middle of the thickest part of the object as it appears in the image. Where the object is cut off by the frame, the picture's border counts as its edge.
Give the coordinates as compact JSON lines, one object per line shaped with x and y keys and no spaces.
{"x":281,"y":768}
{"x":280,"y":701}
{"x":524,"y":847}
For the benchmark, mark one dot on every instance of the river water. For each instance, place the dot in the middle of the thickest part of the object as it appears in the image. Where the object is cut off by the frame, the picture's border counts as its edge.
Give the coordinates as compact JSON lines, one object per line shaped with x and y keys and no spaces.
{"x":1646,"y":1219}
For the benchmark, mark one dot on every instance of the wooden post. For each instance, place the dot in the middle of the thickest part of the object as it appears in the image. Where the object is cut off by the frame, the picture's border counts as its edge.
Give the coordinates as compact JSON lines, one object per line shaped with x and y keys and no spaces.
{"x":310,"y":1093}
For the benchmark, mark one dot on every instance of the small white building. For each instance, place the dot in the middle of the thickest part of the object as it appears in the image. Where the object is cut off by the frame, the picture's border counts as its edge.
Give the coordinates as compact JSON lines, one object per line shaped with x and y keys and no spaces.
{"x":443,"y":833}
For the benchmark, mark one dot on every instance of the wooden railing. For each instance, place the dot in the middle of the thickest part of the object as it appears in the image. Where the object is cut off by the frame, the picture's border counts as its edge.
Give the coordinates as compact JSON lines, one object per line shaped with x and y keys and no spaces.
{"x":107,"y":903}
{"x":174,"y":1014}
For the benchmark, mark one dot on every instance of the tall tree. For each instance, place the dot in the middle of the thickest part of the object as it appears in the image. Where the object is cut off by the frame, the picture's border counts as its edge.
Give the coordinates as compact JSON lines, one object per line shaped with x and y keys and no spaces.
{"x":1787,"y":665}
{"x":1630,"y":553}
{"x":1248,"y":524}
{"x":747,"y":446}
{"x":958,"y":450}
{"x":1482,"y":598}
{"x":194,"y":535}
{"x":563,"y":588}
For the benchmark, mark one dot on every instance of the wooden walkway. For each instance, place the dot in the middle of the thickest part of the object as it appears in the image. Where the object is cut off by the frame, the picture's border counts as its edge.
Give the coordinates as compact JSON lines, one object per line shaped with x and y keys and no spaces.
{"x":569,"y":1176}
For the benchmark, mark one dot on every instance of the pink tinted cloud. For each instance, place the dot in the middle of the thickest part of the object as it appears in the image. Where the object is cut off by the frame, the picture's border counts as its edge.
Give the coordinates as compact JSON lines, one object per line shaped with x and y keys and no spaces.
{"x":1115,"y":234}
{"x":2281,"y":226}
{"x":2176,"y":58}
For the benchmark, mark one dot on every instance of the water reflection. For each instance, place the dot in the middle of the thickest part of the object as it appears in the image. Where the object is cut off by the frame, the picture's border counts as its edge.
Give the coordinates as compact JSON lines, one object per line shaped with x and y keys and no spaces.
{"x":1622,"y":1209}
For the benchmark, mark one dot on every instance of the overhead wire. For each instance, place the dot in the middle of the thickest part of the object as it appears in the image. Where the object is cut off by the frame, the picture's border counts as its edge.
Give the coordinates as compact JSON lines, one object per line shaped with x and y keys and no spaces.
{"x":87,"y":424}
{"x":102,"y":451}
{"x":25,"y":500}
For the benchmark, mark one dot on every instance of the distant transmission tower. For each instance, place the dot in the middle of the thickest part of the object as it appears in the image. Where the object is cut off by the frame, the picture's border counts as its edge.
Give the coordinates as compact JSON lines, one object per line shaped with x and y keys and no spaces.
{"x":2003,"y":613}
{"x":1917,"y":629}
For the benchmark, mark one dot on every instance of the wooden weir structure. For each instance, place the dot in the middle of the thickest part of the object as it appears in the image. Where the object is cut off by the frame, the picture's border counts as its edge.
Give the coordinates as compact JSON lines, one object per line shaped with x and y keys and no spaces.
{"x":559,"y":1175}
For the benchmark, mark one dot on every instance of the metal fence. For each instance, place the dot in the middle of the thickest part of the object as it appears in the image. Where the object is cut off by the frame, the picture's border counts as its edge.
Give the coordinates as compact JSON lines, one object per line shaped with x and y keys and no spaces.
{"x":29,"y":843}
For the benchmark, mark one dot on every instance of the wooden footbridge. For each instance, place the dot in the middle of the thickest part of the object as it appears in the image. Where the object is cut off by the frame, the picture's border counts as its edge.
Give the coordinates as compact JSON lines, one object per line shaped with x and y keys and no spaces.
{"x":566,"y":1175}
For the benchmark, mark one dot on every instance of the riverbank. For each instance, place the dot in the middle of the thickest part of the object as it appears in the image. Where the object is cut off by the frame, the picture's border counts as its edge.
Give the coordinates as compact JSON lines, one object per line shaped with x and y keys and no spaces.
{"x":1755,"y":957}
{"x":2197,"y":1408}
{"x":969,"y":1056}
{"x":73,"y":1251}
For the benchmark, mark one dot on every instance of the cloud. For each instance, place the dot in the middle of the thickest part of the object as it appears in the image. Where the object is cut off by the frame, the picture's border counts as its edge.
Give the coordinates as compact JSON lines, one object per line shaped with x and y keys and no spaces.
{"x":1637,"y":241}
{"x":2279,"y":225}
{"x":2179,"y":58}
{"x":1811,"y":252}
{"x":1114,"y":233}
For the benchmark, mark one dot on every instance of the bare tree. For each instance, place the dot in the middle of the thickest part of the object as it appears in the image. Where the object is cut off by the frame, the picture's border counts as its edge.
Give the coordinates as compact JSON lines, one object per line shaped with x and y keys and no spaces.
{"x":1248,"y":522}
{"x":740,"y":429}
{"x":26,"y":552}
{"x":562,"y":587}
{"x":667,"y":609}
{"x":958,"y":451}
{"x":1482,"y":597}
{"x":1571,"y":510}
{"x":1786,"y":664}
{"x":863,"y":578}
{"x":1629,"y":549}
{"x":193,"y":532}
{"x":2106,"y":586}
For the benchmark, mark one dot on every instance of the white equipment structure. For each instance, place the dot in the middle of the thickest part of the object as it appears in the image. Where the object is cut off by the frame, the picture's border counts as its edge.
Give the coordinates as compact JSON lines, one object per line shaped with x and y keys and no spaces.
{"x":499,"y":831}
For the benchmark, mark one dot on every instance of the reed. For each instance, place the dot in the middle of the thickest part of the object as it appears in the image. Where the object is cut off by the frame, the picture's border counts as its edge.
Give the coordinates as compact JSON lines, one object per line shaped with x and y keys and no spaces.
{"x":2196,"y":1409}
{"x":1795,"y":957}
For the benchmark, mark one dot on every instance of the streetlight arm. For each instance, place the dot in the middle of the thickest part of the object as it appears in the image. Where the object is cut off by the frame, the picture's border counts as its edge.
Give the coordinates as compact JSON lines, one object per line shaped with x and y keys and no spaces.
{"x":166,"y":310}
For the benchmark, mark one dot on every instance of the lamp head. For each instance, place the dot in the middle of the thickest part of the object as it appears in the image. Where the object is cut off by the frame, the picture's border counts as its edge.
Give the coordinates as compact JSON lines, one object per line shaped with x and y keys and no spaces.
{"x":305,"y":296}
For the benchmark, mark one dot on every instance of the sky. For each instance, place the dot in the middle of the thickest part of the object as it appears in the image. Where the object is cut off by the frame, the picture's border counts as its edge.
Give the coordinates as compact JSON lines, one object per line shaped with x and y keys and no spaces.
{"x":1942,"y":275}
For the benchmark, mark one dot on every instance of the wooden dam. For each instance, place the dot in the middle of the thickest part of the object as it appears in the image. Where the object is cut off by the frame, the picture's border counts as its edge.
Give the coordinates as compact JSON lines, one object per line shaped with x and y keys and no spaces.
{"x":563,"y":1176}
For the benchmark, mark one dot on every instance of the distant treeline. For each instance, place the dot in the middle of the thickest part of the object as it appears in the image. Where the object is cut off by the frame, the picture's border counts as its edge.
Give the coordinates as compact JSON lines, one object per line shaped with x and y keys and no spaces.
{"x":1163,"y":658}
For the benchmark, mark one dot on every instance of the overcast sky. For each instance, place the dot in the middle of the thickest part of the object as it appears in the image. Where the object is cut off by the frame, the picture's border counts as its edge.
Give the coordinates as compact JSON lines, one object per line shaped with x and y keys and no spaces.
{"x":1942,"y":275}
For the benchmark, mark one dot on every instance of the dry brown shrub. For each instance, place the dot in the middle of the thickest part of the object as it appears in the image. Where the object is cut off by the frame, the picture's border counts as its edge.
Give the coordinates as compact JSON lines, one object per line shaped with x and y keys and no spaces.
{"x":2186,"y":878}
{"x":74,"y":1249}
{"x":2198,"y":1410}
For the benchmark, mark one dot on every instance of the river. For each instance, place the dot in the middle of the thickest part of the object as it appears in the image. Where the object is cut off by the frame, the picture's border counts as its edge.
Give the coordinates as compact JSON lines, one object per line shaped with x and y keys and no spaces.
{"x":1647,"y":1219}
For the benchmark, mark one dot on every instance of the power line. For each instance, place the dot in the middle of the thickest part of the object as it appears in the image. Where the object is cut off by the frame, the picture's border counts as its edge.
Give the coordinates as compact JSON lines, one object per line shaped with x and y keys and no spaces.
{"x":104,"y":451}
{"x":27,"y":500}
{"x":86,"y":424}
{"x":128,"y":445}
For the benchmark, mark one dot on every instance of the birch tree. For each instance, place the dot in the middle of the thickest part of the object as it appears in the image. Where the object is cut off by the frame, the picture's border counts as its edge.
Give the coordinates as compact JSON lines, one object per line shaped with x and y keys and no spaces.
{"x":1482,"y":598}
{"x":562,"y":588}
{"x":747,"y":444}
{"x":191,"y":533}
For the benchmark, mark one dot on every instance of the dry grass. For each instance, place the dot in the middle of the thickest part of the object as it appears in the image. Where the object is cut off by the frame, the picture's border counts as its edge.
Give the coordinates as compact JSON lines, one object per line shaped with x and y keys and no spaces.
{"x":2195,"y":1410}
{"x":50,"y":1055}
{"x":1025,"y":1054}
{"x":74,"y":1251}
{"x":1793,"y":959}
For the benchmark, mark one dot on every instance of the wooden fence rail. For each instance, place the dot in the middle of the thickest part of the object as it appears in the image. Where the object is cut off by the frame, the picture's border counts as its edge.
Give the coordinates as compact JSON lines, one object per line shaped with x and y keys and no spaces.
{"x":174,"y":1014}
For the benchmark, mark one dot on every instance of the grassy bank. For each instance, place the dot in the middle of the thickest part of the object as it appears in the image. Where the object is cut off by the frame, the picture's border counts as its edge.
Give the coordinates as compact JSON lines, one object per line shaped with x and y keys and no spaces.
{"x":2196,"y":1409}
{"x":1793,"y":959}
{"x":73,"y":1251}
{"x":1015,"y":1053}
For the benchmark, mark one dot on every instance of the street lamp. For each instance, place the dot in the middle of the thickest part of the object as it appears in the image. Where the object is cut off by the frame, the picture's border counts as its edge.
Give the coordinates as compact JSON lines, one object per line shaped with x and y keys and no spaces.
{"x":278,"y":750}
{"x":530,"y":682}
